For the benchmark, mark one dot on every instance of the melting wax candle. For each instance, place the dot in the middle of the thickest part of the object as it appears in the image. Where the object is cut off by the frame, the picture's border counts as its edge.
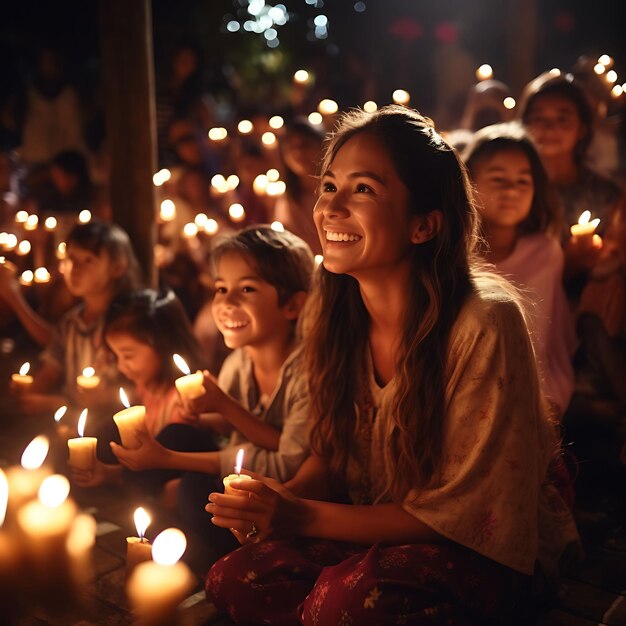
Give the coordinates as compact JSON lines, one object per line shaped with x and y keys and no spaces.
{"x":585,"y":228}
{"x":88,"y":379}
{"x":236,"y":476}
{"x":22,"y":380}
{"x":138,"y":549}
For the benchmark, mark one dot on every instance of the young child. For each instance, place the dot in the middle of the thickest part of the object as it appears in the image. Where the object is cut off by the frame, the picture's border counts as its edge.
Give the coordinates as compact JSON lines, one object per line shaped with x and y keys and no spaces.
{"x":143,"y":330}
{"x":100,"y":265}
{"x":425,"y":404}
{"x":520,"y":223}
{"x":262,"y":279}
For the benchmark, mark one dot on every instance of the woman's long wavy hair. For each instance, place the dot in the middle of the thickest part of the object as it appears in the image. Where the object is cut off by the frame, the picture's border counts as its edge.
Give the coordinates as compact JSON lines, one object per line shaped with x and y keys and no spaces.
{"x":337,"y":340}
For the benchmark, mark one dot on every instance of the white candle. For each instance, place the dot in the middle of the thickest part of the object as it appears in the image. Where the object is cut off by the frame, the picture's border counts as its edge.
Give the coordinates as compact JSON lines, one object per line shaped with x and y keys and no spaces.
{"x":24,"y":481}
{"x":88,"y":379}
{"x":82,"y":449}
{"x":236,"y":476}
{"x":189,"y":386}
{"x":585,"y":228}
{"x":156,"y":588}
{"x":138,"y":549}
{"x":129,"y":420}
{"x":22,"y":380}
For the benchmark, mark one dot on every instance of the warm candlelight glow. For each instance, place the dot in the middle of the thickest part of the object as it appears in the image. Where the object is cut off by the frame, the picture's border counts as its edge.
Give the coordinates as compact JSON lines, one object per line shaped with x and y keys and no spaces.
{"x":315,"y":118}
{"x":509,"y":103}
{"x":245,"y":127}
{"x":218,"y":182}
{"x":61,"y":250}
{"x":190,"y":230}
{"x":54,"y":491}
{"x":42,"y":275}
{"x":611,"y":76}
{"x":236,"y":212}
{"x":4,"y":496}
{"x":181,"y":364}
{"x":401,"y":96}
{"x":301,"y":76}
{"x":88,"y":379}
{"x":327,"y":107}
{"x":59,"y":413}
{"x":21,"y":217}
{"x":124,"y":398}
{"x":200,"y":220}
{"x":617,"y":91}
{"x":211,"y":226}
{"x":370,"y":106}
{"x":82,"y":420}
{"x":272,"y":175}
{"x":31,"y":222}
{"x":259,"y":185}
{"x":24,"y":247}
{"x":169,"y":546}
{"x":10,"y":241}
{"x":232,"y":182}
{"x":26,"y":277}
{"x":606,"y":60}
{"x":268,"y":138}
{"x":276,"y":122}
{"x":599,"y":68}
{"x":168,"y":211}
{"x":318,"y":259}
{"x":142,"y":521}
{"x":484,"y":72}
{"x":239,"y":461}
{"x":24,"y":369}
{"x":161,"y":177}
{"x":35,"y":453}
{"x":218,"y":134}
{"x":277,"y":226}
{"x":84,"y":216}
{"x":585,"y":228}
{"x":555,"y":71}
{"x":128,"y":421}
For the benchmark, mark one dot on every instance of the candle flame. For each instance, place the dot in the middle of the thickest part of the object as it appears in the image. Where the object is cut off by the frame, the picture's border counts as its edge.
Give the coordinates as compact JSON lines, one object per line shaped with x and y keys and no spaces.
{"x":585,"y":217}
{"x":169,"y":546}
{"x":181,"y":364}
{"x":142,"y":520}
{"x":59,"y":413}
{"x":54,"y":490}
{"x":88,"y":372}
{"x":35,"y":453}
{"x":4,"y":496}
{"x":239,"y":461}
{"x":24,"y":369}
{"x":81,"y":422}
{"x":124,"y":398}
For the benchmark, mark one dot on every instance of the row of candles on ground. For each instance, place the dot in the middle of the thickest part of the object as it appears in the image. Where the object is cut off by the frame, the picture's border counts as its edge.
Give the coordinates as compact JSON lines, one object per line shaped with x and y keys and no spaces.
{"x":47,"y":536}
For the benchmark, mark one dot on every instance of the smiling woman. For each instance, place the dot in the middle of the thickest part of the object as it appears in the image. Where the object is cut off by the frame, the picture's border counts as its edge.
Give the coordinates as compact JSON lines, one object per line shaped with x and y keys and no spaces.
{"x":426,"y":411}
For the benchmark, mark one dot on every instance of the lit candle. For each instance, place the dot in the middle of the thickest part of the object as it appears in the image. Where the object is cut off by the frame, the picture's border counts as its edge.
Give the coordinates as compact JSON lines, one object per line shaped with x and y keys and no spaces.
{"x":129,"y":420}
{"x":585,"y":229}
{"x":82,"y":449}
{"x":189,"y":386}
{"x":63,"y":430}
{"x":88,"y":379}
{"x":45,"y":524}
{"x":23,"y":380}
{"x":138,"y":549}
{"x":236,"y":476}
{"x":156,"y":588}
{"x":24,"y":481}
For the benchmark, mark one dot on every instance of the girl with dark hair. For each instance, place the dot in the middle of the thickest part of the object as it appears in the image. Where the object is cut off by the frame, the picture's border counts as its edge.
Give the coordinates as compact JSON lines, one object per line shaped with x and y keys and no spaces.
{"x":100,"y":265}
{"x":300,"y":148}
{"x":426,"y":412}
{"x":520,"y":219}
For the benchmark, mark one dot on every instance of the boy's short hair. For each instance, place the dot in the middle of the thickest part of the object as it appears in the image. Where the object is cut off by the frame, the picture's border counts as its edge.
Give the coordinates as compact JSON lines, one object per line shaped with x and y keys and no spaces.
{"x":282,"y":259}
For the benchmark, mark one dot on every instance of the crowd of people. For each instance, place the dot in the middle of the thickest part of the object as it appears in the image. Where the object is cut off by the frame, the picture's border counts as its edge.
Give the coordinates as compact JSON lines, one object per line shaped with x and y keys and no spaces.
{"x":422,"y":361}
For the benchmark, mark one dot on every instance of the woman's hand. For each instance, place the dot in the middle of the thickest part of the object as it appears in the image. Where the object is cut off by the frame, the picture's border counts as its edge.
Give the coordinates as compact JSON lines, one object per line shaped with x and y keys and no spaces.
{"x":262,"y":509}
{"x":149,"y":455}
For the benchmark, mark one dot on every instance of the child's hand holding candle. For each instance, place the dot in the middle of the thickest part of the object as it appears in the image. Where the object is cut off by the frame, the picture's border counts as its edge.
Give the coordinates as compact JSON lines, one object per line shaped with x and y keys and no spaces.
{"x":88,"y":379}
{"x":128,"y":421}
{"x":156,"y":588}
{"x":138,"y":549}
{"x":82,"y":449}
{"x":22,"y":381}
{"x":189,"y":386}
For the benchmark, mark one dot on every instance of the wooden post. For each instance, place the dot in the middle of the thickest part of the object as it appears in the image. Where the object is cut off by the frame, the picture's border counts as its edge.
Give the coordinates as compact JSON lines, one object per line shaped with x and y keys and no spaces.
{"x":128,"y":83}
{"x":522,"y":40}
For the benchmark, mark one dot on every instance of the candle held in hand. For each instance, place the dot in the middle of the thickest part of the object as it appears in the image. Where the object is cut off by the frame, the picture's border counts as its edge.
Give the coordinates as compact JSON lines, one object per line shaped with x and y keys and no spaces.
{"x":88,"y":379}
{"x":585,"y":229}
{"x":155,"y":589}
{"x":228,"y":489}
{"x":138,"y":549}
{"x":129,"y":421}
{"x":189,"y":386}
{"x":82,"y":449}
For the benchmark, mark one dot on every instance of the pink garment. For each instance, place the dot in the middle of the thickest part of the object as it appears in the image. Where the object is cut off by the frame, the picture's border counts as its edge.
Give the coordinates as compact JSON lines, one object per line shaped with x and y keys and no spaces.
{"x":163,"y":407}
{"x":536,"y":267}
